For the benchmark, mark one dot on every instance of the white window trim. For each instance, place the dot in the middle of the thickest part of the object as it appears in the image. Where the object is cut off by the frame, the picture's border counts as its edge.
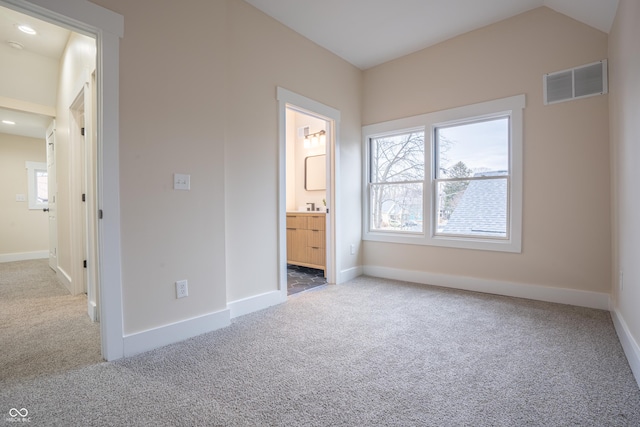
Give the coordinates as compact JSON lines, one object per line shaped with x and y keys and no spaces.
{"x":32,"y":184}
{"x":512,"y":106}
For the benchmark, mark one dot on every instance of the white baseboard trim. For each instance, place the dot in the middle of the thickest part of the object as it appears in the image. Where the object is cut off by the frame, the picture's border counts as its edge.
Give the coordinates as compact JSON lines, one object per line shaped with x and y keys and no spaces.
{"x":255,"y":303}
{"x":350,"y":273}
{"x":175,"y":332}
{"x":93,"y":311}
{"x":576,"y":297}
{"x":629,"y":344}
{"x":24,"y":256}
{"x":65,"y":279}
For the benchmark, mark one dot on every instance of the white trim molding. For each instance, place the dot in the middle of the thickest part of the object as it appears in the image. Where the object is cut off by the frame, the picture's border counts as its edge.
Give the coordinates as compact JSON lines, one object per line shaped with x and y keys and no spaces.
{"x":350,"y":274}
{"x":24,"y":256}
{"x":65,"y":279}
{"x":575,"y":297}
{"x":629,"y":344}
{"x":175,"y":332}
{"x":288,"y":99}
{"x":255,"y":303}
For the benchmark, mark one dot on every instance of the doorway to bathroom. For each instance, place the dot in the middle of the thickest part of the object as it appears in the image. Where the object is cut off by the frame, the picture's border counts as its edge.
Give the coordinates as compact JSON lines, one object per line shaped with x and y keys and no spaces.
{"x":306,"y":200}
{"x":307,"y":193}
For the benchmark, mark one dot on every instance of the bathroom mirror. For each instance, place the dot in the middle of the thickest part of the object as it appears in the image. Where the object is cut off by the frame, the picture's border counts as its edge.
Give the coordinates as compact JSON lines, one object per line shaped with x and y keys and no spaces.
{"x":315,"y":173}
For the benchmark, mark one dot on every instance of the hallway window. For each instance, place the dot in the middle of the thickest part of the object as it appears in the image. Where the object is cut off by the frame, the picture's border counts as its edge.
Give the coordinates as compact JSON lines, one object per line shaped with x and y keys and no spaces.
{"x":38,"y":185}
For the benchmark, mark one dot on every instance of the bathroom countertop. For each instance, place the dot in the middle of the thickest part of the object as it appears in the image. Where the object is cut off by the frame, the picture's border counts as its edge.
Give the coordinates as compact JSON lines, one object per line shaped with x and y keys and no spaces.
{"x":306,"y":212}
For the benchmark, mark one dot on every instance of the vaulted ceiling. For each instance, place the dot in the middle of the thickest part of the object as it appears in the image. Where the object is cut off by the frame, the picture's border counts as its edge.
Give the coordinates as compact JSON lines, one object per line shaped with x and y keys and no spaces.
{"x":369,"y":32}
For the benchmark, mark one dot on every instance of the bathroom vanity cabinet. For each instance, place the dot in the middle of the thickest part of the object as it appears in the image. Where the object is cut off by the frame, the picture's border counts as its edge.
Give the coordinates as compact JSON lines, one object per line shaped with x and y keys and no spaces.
{"x":306,"y":239}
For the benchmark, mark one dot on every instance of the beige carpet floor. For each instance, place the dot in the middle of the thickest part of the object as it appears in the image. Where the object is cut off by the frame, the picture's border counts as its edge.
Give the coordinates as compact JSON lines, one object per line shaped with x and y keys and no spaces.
{"x":44,"y":329}
{"x":370,"y":352}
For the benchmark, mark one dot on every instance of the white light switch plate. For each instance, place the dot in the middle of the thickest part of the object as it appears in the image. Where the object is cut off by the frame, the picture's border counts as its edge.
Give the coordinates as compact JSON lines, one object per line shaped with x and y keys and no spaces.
{"x":181,"y":181}
{"x":21,"y":198}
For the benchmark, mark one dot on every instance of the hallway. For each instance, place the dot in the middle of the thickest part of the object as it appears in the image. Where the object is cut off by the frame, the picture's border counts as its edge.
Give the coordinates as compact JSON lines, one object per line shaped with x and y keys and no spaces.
{"x":43,"y":329}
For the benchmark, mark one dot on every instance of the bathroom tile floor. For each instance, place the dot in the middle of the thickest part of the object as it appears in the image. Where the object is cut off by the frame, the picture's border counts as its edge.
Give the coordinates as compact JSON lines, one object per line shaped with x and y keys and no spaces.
{"x":302,"y":278}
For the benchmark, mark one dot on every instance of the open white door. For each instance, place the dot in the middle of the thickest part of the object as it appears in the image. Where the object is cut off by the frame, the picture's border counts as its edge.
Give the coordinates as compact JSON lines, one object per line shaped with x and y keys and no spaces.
{"x":52,"y":194}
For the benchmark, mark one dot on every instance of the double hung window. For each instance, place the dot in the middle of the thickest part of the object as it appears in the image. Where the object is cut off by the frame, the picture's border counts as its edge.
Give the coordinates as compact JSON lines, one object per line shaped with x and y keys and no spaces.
{"x":397,"y":181}
{"x":451,"y":178}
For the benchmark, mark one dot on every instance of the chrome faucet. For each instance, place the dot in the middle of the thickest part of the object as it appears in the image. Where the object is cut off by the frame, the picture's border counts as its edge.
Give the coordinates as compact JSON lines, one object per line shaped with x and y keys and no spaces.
{"x":313,"y":207}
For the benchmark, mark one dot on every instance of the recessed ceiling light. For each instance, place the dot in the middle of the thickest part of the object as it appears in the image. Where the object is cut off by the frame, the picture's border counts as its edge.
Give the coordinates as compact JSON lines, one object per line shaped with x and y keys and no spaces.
{"x":15,"y":45}
{"x":8,"y":122}
{"x":26,"y":29}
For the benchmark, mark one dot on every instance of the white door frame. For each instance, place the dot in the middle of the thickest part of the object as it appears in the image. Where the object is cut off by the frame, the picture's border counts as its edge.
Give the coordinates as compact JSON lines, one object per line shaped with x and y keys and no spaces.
{"x":287,"y":99}
{"x":107,"y":28}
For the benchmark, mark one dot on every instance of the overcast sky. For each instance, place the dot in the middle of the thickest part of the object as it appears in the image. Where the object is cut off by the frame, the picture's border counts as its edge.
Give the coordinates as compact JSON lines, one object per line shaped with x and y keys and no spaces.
{"x":478,"y":145}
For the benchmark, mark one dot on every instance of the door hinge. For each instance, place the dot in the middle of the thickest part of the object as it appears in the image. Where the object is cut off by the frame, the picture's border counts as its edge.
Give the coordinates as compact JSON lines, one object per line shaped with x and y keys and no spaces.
{"x":99,"y":213}
{"x":84,"y":263}
{"x":82,"y":131}
{"x":84,"y":197}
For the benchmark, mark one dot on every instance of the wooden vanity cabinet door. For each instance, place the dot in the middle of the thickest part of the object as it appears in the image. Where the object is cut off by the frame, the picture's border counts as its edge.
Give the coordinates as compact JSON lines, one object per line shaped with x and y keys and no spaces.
{"x":315,"y":238}
{"x":296,"y":238}
{"x":316,"y":256}
{"x":316,"y":252}
{"x":306,"y":240}
{"x":316,"y":222}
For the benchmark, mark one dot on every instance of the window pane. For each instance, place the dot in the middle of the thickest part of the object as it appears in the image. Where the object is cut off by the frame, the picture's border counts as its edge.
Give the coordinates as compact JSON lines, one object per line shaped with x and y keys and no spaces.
{"x":396,"y":207}
{"x":475,"y":207}
{"x":398,"y":158}
{"x":42,"y":186}
{"x":473,"y":149}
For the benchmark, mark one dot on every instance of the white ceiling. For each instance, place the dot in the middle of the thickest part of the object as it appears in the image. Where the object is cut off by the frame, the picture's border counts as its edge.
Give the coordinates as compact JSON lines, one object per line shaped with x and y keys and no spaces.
{"x":367,"y":33}
{"x":49,"y":41}
{"x":26,"y":124}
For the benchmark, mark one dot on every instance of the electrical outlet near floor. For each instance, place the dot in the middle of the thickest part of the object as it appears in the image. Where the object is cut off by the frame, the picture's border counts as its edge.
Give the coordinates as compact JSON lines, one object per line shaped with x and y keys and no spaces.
{"x":182,"y":289}
{"x":352,"y":248}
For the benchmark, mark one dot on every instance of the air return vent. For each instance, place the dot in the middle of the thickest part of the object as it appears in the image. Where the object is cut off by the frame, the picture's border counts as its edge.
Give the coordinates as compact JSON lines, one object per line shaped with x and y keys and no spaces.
{"x":578,"y":82}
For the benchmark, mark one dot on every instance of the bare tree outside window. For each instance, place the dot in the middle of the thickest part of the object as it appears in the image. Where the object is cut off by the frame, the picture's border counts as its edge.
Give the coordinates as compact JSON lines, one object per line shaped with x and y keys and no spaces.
{"x":450,"y":178}
{"x":397,"y":181}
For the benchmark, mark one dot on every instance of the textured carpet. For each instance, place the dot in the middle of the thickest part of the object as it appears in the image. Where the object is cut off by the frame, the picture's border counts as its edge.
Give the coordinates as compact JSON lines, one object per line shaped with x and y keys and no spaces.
{"x":367,"y":353}
{"x":43,"y":329}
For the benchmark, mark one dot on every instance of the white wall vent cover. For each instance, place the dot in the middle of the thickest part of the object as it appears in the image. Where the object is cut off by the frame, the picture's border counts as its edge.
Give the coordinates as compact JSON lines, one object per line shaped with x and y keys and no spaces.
{"x":575,"y":83}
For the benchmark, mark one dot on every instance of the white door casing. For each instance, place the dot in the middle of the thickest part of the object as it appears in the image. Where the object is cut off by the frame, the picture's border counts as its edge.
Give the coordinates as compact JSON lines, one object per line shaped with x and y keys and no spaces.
{"x":287,"y":99}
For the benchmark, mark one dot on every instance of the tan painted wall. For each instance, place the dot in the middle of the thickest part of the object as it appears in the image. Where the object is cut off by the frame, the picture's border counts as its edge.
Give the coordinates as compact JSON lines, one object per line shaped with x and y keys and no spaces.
{"x":198,"y":95}
{"x":172,"y":109}
{"x":21,"y":229}
{"x":262,"y":55}
{"x":566,"y":236}
{"x":624,"y":97}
